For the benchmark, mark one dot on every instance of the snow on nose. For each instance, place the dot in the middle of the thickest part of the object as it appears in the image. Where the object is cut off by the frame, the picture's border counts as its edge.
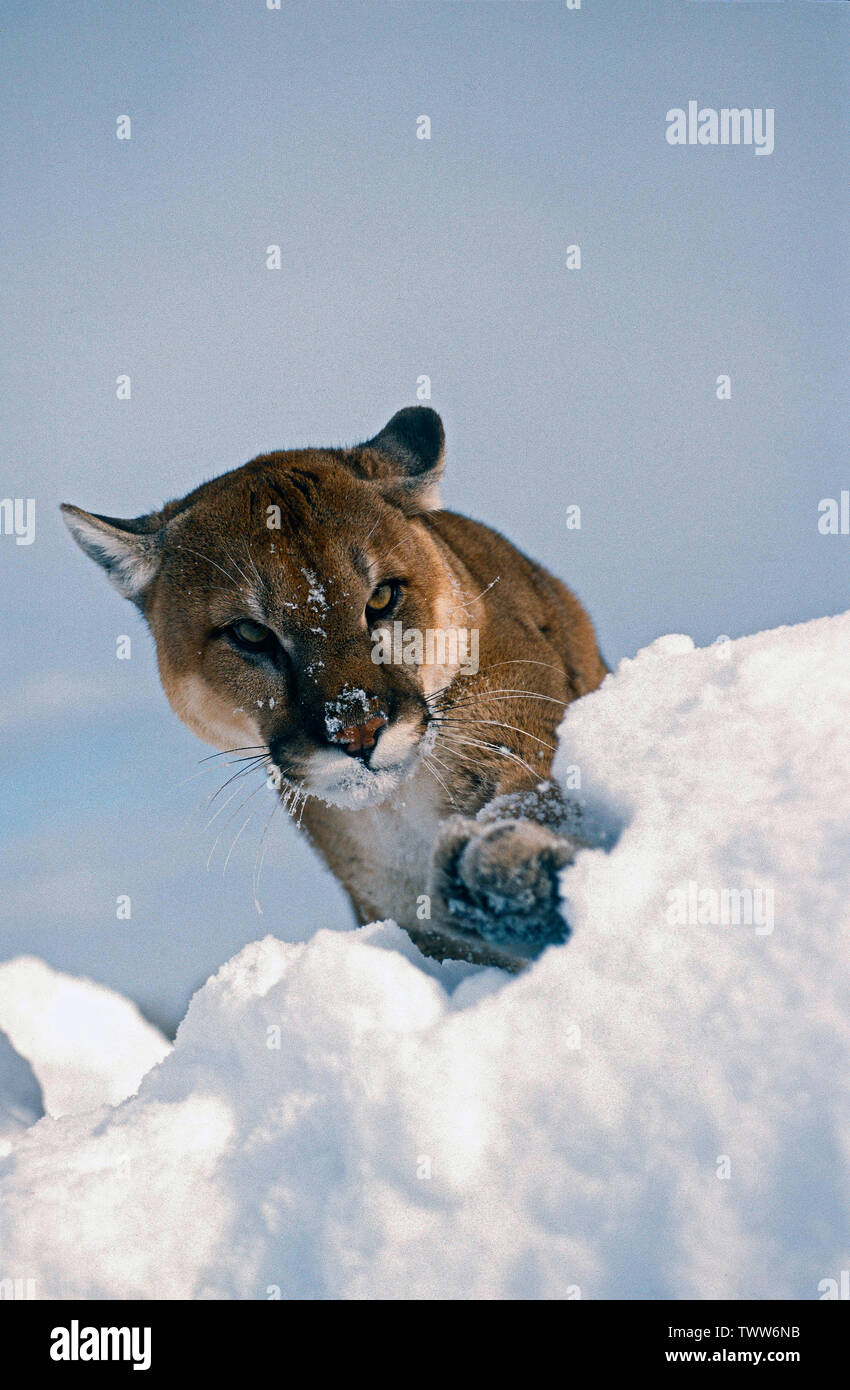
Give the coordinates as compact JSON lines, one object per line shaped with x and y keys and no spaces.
{"x":359,"y":738}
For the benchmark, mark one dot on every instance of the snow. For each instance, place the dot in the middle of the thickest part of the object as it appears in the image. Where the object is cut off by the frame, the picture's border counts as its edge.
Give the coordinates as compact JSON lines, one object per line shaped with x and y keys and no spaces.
{"x":316,"y":597}
{"x":20,"y":1095}
{"x":352,"y":704}
{"x":86,"y":1044}
{"x":656,"y":1109}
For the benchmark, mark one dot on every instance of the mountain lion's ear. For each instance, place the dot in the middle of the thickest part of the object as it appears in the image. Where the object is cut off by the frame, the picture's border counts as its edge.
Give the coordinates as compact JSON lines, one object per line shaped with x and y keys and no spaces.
{"x":127,"y":550}
{"x":412,"y":443}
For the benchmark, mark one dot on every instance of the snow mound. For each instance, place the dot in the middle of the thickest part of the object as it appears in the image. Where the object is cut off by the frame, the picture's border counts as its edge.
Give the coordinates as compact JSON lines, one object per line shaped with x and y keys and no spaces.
{"x":87,"y":1045}
{"x":20,"y":1095}
{"x":657,"y":1109}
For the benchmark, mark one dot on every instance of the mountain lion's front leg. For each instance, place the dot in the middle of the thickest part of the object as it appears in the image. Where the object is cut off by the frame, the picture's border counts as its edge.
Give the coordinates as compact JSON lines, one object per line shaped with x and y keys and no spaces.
{"x":496,"y":876}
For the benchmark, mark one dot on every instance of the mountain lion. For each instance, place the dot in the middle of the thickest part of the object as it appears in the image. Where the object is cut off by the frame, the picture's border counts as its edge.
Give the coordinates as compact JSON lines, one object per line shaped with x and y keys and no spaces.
{"x":398,"y":669}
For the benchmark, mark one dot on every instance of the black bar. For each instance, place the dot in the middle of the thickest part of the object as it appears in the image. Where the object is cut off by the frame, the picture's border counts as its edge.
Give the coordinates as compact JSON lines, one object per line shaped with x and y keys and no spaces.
{"x":261,"y":1338}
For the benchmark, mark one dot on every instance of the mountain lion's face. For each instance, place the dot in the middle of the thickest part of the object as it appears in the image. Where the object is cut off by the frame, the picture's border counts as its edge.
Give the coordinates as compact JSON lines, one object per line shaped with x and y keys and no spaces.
{"x":264,"y":590}
{"x":265,"y":635}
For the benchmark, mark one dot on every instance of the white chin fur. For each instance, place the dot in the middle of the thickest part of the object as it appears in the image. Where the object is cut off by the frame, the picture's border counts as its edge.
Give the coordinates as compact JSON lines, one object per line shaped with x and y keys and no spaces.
{"x":344,"y":781}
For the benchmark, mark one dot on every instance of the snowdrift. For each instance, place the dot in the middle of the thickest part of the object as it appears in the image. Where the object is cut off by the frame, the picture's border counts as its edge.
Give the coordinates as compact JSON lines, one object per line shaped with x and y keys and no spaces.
{"x":658,"y":1108}
{"x":87,"y":1045}
{"x":21,"y":1102}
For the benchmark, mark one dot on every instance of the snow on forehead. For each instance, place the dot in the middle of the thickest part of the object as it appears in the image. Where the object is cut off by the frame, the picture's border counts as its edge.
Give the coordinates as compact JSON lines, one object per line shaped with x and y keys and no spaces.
{"x":316,"y":596}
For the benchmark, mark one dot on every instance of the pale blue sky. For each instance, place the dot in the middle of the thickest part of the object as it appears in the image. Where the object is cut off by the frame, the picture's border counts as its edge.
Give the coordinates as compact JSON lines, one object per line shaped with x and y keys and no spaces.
{"x":400,"y":257}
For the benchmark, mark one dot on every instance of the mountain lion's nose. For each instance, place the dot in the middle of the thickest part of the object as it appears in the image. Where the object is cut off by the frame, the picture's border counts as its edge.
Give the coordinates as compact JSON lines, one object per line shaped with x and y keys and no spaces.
{"x":360,"y":738}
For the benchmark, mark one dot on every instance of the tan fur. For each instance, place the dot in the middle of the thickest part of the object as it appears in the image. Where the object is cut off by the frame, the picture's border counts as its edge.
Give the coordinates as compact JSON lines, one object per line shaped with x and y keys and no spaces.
{"x":402,"y":830}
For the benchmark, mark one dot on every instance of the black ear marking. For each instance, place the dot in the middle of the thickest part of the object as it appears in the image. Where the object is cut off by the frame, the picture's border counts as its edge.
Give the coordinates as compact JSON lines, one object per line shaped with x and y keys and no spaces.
{"x":413,"y":443}
{"x":415,"y":437}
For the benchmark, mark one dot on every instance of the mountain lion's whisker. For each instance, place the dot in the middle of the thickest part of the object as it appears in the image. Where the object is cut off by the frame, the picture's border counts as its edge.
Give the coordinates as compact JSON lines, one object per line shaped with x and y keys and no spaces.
{"x":479,"y":694}
{"x":224,"y":804}
{"x":256,"y":757}
{"x":205,"y":803}
{"x":229,"y":819}
{"x":259,"y":761}
{"x":252,"y":563}
{"x":435,"y":695}
{"x":210,"y":561}
{"x":300,"y":797}
{"x":437,"y":778}
{"x":288,"y":801}
{"x":193,"y":776}
{"x":259,"y":857}
{"x":513,"y":691}
{"x":184,"y":782}
{"x":246,"y":748}
{"x":483,"y":695}
{"x":237,"y":836}
{"x":373,"y":530}
{"x":523,"y":661}
{"x":431,"y":754}
{"x":494,"y":748}
{"x":465,"y":607}
{"x":497,"y":723}
{"x":235,"y":793}
{"x":453,"y":752}
{"x":238,"y":568}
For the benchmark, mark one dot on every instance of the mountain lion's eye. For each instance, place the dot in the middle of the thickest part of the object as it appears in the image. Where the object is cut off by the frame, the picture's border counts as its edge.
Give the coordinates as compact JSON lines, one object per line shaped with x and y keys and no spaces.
{"x":250,"y":635}
{"x":383,"y":600}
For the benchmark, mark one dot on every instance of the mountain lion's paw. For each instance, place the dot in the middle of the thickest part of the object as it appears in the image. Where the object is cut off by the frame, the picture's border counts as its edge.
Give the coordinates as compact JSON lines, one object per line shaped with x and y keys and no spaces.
{"x":500,"y":880}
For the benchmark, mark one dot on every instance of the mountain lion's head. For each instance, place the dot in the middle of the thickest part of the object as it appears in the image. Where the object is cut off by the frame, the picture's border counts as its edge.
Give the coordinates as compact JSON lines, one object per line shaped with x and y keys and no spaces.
{"x":263,"y":589}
